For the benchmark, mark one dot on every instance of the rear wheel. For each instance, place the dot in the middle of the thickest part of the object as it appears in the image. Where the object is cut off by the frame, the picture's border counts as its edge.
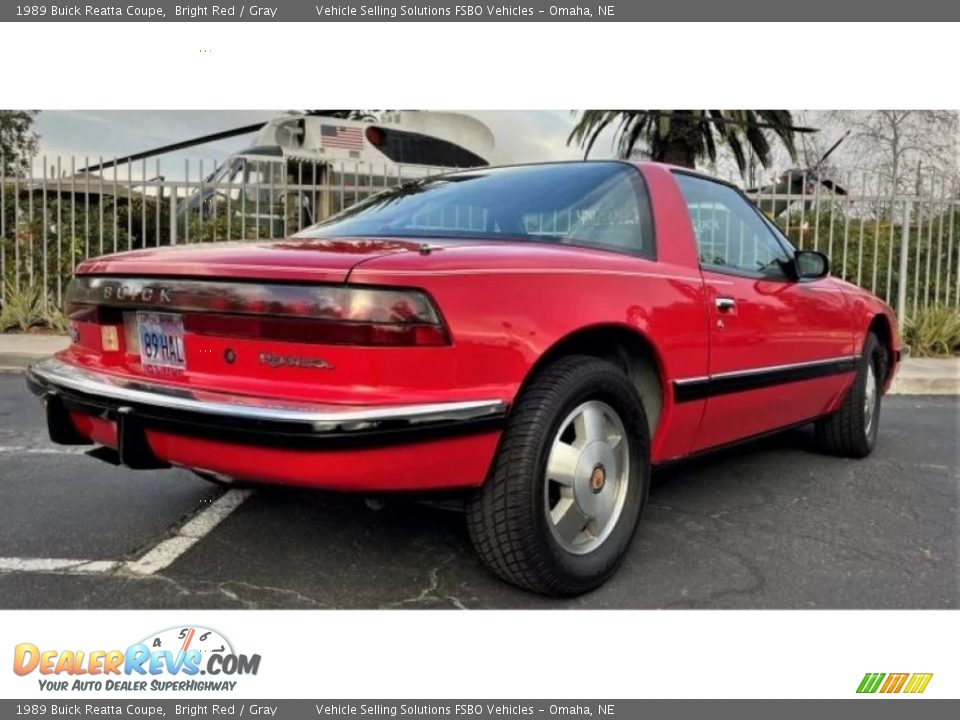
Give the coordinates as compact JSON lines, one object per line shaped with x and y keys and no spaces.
{"x":569,"y":481}
{"x":852,"y":430}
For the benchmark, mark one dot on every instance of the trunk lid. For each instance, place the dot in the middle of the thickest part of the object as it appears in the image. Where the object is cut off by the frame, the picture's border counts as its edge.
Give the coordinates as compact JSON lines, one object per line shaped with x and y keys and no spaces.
{"x":309,"y":260}
{"x":269,"y":319}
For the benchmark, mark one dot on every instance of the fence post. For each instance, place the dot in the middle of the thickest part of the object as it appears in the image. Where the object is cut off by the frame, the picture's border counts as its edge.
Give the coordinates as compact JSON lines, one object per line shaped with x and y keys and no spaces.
{"x":173,"y":215}
{"x":904,"y":259}
{"x":3,"y":229}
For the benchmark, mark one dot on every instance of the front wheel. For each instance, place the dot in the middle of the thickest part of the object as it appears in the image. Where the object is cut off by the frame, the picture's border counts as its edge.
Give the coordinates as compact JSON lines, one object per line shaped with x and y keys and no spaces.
{"x":852,"y":430}
{"x":569,"y":481}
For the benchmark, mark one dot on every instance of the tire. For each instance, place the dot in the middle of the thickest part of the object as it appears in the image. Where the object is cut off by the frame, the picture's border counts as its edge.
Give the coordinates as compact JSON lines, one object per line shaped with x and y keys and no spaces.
{"x":523,"y":521}
{"x":852,"y":430}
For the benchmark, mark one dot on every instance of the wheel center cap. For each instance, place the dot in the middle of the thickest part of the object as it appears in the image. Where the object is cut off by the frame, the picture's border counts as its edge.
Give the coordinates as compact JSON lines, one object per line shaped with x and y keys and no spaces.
{"x":598,"y":478}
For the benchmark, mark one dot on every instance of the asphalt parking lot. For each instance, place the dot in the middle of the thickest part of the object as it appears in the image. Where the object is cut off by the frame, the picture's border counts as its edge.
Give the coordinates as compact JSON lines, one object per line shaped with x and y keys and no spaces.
{"x":767,"y":525}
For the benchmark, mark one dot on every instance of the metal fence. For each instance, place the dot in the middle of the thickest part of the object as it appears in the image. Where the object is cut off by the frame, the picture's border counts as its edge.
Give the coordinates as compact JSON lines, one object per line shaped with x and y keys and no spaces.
{"x":902,"y":246}
{"x":905,"y":247}
{"x":59,"y":215}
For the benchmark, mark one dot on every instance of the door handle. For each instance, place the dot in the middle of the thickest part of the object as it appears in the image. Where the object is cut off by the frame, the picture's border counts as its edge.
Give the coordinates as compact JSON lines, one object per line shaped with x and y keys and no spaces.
{"x":725,"y":304}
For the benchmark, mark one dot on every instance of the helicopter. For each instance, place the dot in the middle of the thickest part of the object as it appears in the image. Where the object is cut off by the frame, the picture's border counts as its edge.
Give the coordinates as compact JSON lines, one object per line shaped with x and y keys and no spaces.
{"x":796,"y":185}
{"x":296,"y":157}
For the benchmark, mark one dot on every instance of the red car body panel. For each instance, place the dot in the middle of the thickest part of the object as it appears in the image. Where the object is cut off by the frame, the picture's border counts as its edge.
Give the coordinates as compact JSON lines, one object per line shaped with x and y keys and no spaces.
{"x":428,"y":465}
{"x":318,"y":260}
{"x":774,"y":324}
{"x":506,"y":306}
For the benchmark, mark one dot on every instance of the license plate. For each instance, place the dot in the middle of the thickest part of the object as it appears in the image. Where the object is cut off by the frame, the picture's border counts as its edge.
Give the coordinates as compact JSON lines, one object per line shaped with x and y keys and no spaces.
{"x":161,"y":340}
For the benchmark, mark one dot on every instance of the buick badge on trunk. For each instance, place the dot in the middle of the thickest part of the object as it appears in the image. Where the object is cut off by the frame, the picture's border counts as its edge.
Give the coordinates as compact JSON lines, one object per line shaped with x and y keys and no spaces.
{"x":145,"y":295}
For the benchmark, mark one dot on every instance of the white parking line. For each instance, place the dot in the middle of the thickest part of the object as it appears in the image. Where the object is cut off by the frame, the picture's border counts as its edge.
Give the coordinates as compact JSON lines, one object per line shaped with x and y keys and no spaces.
{"x":44,"y":450}
{"x":202,"y":523}
{"x":50,"y":565}
{"x":166,"y":552}
{"x":160,"y":556}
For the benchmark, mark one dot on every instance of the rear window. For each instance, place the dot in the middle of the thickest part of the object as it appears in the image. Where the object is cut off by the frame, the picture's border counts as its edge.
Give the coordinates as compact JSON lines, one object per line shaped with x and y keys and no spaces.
{"x":596,"y":204}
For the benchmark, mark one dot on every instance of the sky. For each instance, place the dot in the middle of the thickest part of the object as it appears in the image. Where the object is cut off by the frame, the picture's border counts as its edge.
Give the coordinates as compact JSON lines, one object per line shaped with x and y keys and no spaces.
{"x":521,"y":135}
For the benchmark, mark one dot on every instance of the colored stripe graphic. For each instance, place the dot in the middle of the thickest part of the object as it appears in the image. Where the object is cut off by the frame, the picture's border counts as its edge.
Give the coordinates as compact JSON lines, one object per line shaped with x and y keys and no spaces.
{"x":894,"y":683}
{"x":918,"y":682}
{"x":870,"y":682}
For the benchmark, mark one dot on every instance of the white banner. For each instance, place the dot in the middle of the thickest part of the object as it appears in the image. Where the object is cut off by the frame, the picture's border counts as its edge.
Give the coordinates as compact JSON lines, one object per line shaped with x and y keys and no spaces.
{"x":587,"y":654}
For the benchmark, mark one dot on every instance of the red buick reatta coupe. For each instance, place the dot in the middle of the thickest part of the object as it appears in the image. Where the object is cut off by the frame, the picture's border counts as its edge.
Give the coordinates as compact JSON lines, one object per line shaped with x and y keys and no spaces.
{"x":537,"y":336}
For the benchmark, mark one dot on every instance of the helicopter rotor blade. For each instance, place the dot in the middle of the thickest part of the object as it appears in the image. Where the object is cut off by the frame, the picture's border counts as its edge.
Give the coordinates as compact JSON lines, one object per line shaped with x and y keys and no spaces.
{"x":830,"y":151}
{"x":202,"y":140}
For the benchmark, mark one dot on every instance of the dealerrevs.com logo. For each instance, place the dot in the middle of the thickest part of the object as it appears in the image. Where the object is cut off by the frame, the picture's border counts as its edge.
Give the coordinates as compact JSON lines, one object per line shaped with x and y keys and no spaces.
{"x":176,"y":659}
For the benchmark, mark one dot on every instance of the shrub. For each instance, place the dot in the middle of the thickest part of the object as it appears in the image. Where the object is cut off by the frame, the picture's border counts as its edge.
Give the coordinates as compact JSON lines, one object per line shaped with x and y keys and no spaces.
{"x":55,"y":319}
{"x":23,"y":309}
{"x":933,"y":331}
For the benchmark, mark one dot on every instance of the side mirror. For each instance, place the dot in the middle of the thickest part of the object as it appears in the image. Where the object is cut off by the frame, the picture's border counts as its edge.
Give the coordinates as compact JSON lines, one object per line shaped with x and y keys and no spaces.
{"x":810,"y":265}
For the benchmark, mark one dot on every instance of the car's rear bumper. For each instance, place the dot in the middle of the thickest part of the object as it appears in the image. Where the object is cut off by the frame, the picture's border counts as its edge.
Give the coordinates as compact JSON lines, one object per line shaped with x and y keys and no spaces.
{"x":421,"y":446}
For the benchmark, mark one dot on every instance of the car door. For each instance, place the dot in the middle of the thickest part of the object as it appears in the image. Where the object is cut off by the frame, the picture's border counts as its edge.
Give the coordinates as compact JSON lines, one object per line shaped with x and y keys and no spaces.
{"x":780,"y":349}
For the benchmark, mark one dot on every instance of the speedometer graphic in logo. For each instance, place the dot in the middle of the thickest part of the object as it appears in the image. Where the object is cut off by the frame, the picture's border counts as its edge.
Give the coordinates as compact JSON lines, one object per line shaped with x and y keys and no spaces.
{"x":184,"y":639}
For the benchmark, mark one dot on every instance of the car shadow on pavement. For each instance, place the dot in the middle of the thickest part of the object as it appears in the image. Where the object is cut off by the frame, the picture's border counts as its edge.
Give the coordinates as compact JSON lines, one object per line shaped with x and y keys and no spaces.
{"x":768,"y":524}
{"x":735,"y":528}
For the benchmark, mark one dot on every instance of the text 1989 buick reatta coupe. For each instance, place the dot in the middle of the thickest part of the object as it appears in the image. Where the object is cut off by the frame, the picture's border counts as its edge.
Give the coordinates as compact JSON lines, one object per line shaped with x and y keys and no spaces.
{"x":537,"y":335}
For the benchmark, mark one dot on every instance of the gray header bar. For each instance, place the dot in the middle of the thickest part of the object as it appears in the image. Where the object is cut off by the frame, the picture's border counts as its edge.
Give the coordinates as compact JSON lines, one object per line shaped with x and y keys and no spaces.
{"x":451,"y":11}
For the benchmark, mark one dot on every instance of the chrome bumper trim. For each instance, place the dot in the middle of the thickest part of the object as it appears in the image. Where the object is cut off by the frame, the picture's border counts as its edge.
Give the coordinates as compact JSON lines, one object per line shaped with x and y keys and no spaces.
{"x":53,"y":374}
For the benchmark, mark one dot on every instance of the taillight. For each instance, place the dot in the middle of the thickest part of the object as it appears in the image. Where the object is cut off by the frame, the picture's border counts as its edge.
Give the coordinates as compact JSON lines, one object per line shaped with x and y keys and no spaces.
{"x":330,"y":314}
{"x":328,"y":332}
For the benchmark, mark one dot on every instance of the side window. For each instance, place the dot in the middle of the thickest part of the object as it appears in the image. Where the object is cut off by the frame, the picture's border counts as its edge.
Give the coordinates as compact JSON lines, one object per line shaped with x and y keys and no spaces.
{"x":730,"y":233}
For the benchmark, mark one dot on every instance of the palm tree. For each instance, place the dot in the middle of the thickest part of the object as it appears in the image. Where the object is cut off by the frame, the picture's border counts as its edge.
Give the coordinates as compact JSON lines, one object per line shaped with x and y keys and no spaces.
{"x":680,"y":137}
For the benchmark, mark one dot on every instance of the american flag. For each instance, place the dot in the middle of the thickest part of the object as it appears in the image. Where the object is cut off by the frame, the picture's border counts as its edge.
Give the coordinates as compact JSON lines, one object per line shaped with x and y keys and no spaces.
{"x":349,"y":138}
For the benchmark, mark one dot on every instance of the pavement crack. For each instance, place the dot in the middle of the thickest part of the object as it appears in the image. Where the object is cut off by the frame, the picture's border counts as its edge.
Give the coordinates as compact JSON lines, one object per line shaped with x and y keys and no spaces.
{"x":430,"y":593}
{"x":182,"y":590}
{"x":238,"y":591}
{"x":756,"y":581}
{"x":233,"y":588}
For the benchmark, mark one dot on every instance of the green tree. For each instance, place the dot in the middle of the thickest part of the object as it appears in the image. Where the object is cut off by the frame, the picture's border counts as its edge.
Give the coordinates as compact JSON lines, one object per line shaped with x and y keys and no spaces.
{"x":18,"y":142}
{"x":681,"y":137}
